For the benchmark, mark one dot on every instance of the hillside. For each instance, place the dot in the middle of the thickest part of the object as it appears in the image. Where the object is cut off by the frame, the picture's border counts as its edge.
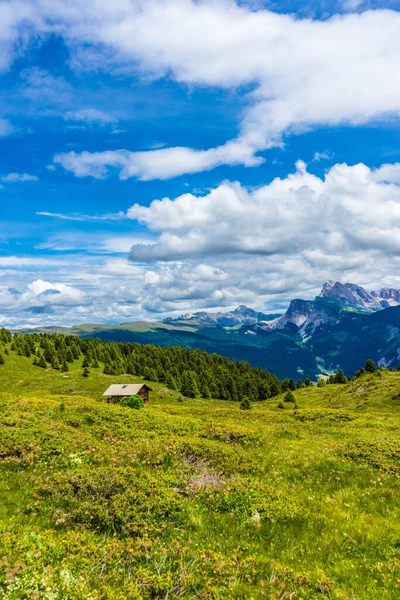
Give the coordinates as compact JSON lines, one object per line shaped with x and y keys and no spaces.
{"x":196,"y":498}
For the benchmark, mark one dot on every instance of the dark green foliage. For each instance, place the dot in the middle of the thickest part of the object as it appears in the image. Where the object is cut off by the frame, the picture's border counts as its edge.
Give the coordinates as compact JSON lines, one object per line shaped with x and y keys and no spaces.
{"x":86,"y":372}
{"x":189,"y":385}
{"x":134,"y":401}
{"x":2,"y":361}
{"x":64,"y":367}
{"x":192,"y":372}
{"x":280,"y":404}
{"x":289,"y":397}
{"x":299,"y":384}
{"x":321,"y":382}
{"x":369,"y":366}
{"x":340,"y":377}
{"x":245,"y":403}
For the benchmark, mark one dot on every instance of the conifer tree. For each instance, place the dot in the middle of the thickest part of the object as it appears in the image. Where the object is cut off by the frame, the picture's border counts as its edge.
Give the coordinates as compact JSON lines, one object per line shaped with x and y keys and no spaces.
{"x":64,"y":367}
{"x":189,"y":385}
{"x":340,"y":377}
{"x":370,"y":366}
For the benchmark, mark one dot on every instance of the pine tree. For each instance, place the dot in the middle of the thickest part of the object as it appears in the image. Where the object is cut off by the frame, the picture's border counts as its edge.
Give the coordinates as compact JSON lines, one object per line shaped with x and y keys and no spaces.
{"x":170,"y":381}
{"x":64,"y":367}
{"x":86,"y":372}
{"x":2,"y":361}
{"x":307,"y":382}
{"x":370,"y":366}
{"x":340,"y":377}
{"x":41,"y":362}
{"x":189,"y":385}
{"x":299,"y":384}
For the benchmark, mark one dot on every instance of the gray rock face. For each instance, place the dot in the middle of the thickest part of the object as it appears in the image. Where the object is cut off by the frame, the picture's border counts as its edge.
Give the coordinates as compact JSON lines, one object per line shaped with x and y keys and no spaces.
{"x":306,"y":315}
{"x":242,"y":315}
{"x":328,"y":306}
{"x":350,"y":294}
{"x":390,"y":296}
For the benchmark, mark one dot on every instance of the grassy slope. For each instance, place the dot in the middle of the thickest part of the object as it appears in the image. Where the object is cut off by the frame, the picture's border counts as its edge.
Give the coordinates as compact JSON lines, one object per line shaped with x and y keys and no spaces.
{"x":196,"y":499}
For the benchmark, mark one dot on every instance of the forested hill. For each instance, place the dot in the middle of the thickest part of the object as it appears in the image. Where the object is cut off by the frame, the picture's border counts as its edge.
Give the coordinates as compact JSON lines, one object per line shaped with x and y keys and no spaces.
{"x":192,"y":372}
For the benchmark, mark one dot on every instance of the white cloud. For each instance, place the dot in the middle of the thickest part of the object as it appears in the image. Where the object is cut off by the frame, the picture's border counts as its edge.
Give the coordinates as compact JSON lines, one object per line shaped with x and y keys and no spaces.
{"x":155,"y":164}
{"x":90,"y":115}
{"x":82,"y":217}
{"x":18,"y":178}
{"x":304,"y":73}
{"x":325,"y":155}
{"x":352,"y":209}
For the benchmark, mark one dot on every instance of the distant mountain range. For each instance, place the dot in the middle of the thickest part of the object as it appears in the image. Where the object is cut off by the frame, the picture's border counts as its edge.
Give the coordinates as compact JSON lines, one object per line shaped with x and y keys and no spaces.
{"x":242,"y":315}
{"x":342,"y":327}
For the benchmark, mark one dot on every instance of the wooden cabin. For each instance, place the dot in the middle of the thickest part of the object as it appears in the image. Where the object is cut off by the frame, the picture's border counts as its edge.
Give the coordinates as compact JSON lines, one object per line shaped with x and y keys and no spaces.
{"x":117,"y":391}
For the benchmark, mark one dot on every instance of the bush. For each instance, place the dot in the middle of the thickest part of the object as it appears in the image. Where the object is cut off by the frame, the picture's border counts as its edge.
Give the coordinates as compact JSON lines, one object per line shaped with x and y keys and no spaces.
{"x":245,"y":404}
{"x":289,"y":397}
{"x":133,"y":402}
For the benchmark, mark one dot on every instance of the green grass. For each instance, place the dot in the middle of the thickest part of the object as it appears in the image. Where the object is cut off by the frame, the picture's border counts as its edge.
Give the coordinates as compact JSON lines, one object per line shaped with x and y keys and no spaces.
{"x":196,"y":499}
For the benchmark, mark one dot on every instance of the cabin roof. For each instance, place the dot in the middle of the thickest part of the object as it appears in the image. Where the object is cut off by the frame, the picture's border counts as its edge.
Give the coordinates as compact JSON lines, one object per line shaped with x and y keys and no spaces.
{"x":125,"y":389}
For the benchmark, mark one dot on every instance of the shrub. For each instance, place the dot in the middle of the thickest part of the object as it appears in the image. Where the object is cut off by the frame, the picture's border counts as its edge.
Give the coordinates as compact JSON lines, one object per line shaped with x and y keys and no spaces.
{"x":245,"y":403}
{"x":289,"y":397}
{"x":280,"y":404}
{"x":133,"y":402}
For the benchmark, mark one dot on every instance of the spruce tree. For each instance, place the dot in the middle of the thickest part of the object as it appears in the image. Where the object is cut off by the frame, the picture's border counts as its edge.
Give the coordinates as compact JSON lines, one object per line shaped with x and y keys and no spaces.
{"x":189,"y":385}
{"x":340,"y":377}
{"x":64,"y":367}
{"x":370,"y":366}
{"x":2,"y":361}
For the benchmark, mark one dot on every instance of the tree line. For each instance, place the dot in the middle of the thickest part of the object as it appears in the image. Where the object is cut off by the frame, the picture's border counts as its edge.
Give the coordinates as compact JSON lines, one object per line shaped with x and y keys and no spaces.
{"x":193,"y":372}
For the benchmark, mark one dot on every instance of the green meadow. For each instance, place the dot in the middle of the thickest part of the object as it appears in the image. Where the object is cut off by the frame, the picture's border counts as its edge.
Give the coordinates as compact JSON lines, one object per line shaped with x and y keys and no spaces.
{"x":194,"y":498}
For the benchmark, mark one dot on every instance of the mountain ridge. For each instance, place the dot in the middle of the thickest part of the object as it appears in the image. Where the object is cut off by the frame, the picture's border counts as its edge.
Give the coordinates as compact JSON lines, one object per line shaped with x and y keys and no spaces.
{"x":313,"y":337}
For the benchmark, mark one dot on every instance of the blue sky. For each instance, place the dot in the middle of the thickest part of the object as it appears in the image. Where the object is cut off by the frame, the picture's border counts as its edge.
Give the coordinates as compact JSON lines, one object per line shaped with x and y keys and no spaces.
{"x":174,"y":155}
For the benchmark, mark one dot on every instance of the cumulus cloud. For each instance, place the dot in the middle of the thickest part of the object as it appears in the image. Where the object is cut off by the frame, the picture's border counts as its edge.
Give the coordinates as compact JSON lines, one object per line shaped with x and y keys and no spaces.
{"x":18,"y":178}
{"x":351,"y":209}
